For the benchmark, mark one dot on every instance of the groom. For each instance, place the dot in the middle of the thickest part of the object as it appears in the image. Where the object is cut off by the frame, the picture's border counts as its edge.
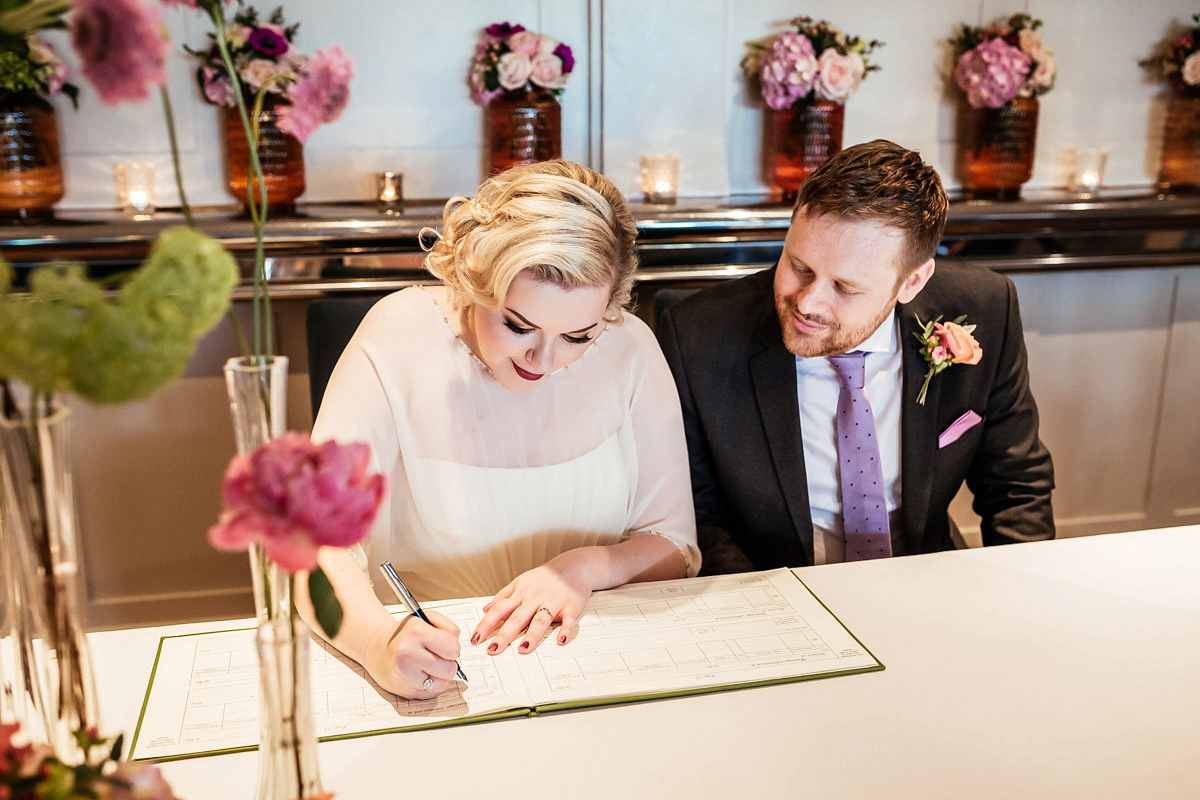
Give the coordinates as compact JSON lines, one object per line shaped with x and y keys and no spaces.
{"x":809,"y":436}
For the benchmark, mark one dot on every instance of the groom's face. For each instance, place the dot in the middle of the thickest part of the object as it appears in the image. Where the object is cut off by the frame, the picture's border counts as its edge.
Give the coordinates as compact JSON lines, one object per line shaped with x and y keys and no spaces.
{"x":838,"y":280}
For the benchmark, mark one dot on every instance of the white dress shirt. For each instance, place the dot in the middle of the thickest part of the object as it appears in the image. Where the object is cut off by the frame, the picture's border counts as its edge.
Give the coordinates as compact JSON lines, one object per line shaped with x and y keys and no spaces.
{"x":817,"y":389}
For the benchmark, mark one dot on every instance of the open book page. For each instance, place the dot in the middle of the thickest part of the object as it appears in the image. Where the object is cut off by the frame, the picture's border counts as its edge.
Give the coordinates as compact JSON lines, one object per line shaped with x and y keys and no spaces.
{"x":693,"y":635}
{"x":203,"y":695}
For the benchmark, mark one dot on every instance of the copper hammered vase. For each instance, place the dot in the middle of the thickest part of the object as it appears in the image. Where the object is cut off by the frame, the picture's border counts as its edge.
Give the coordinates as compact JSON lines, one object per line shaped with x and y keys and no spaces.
{"x":280,"y":155}
{"x":31,"y":177}
{"x":1179,"y":171}
{"x":998,"y":145}
{"x":798,"y":140}
{"x":522,"y":126}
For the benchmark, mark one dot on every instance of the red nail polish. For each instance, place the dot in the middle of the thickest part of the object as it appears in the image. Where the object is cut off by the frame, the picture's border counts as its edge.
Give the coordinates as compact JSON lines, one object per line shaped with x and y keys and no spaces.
{"x":475,"y":638}
{"x":493,"y":647}
{"x":562,"y":640}
{"x":524,"y":647}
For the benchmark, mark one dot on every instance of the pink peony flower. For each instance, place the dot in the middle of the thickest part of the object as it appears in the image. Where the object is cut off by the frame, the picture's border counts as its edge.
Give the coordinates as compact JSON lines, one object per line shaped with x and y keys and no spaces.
{"x":992,"y":73}
{"x":121,"y":46}
{"x":513,"y":70}
{"x":293,"y":496}
{"x":320,"y":95}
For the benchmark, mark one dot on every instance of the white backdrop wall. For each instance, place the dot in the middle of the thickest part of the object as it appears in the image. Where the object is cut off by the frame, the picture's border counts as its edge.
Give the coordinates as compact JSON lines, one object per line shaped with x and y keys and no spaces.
{"x":651,"y":75}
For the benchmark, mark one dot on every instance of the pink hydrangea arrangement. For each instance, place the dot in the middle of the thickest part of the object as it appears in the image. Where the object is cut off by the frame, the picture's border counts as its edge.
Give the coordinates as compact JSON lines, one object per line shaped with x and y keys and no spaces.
{"x":817,"y":61}
{"x":33,"y":771}
{"x":1005,"y":60}
{"x":1178,"y":58}
{"x":510,"y":57}
{"x":265,"y":59}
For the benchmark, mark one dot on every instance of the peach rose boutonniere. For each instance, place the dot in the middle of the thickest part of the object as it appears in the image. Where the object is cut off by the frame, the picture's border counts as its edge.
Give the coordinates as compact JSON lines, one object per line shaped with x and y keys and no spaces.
{"x":943,"y":344}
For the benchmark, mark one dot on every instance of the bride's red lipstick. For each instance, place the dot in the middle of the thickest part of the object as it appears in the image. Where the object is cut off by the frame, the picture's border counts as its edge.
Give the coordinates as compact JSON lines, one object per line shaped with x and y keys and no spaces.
{"x":529,"y":376}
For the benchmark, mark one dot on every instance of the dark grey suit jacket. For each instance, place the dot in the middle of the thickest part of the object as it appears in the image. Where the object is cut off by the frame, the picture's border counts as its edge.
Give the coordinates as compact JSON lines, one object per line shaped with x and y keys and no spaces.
{"x":737,"y":386}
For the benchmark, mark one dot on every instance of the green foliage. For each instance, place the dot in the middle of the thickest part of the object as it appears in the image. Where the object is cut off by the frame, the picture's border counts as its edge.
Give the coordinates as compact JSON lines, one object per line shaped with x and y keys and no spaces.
{"x":325,"y":603}
{"x":68,"y":334}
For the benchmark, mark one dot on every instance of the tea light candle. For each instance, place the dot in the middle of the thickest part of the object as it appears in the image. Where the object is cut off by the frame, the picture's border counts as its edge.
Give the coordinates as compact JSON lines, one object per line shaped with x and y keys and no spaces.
{"x":389,"y":192}
{"x":660,"y":177}
{"x":135,"y":188}
{"x":1087,"y":172}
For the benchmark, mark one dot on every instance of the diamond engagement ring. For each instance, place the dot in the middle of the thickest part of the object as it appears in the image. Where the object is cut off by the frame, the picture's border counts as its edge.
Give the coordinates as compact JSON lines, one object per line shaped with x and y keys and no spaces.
{"x":548,"y":611}
{"x":428,"y":684}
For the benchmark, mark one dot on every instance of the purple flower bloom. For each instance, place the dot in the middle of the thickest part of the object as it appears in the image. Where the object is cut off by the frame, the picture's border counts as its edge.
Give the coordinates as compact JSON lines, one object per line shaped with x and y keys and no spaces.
{"x":992,"y":73}
{"x":567,"y":57}
{"x":501,"y":30}
{"x":268,"y":42}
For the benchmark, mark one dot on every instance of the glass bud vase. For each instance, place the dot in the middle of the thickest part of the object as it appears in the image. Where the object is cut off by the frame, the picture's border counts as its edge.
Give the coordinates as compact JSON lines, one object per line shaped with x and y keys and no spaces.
{"x":257,"y":389}
{"x":280,"y":155}
{"x":1179,"y":170}
{"x":287,"y":750}
{"x":998,"y":146}
{"x":51,"y":667}
{"x":31,"y":176}
{"x":798,"y":140}
{"x":523,"y":126}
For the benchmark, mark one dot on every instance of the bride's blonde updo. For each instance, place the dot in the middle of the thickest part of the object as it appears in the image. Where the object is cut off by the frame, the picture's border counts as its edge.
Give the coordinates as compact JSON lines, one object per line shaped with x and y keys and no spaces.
{"x":564,"y":223}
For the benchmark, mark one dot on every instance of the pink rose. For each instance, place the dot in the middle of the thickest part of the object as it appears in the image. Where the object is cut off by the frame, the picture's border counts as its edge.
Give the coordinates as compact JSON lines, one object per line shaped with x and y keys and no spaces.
{"x":959,"y":342}
{"x":547,"y":72}
{"x":258,"y":71}
{"x":938,"y":354}
{"x":1191,"y":69}
{"x":526,"y":43}
{"x":1043,"y":73}
{"x":513,"y":70}
{"x":837,"y":75}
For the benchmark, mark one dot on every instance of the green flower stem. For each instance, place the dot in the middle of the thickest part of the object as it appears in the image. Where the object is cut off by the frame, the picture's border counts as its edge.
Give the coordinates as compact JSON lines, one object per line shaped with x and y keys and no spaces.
{"x":262,"y":299}
{"x":170,"y":117}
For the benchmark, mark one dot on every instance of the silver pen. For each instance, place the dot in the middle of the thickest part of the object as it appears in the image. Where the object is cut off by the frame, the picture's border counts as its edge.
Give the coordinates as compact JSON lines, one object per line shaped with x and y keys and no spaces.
{"x":407,"y":598}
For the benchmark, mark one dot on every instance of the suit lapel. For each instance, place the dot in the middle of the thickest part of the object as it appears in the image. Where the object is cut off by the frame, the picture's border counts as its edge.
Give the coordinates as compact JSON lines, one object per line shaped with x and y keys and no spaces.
{"x":918,"y":428}
{"x":773,"y":372}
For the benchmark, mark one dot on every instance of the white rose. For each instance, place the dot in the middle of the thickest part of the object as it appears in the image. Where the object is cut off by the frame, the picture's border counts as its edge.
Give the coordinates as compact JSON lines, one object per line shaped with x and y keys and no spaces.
{"x":835,"y":76}
{"x":547,"y":45}
{"x":1030,"y":41}
{"x":547,"y":72}
{"x":513,"y":70}
{"x":1043,"y":76}
{"x":257,"y":71}
{"x":1191,"y":69}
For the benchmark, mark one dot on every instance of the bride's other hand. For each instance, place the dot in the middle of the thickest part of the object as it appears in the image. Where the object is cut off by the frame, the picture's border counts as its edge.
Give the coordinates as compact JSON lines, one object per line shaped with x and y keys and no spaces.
{"x":553,"y":592}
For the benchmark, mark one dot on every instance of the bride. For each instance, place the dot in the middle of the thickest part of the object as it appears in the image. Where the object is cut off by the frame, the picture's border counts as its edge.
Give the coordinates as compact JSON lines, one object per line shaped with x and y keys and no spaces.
{"x":528,"y":423}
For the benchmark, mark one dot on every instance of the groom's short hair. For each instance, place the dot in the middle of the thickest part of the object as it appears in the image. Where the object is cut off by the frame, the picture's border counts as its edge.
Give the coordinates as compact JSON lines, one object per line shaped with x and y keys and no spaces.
{"x":882,"y":182}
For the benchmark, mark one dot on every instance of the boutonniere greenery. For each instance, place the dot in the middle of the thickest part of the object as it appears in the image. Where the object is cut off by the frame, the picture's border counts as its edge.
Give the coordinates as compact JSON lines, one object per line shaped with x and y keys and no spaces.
{"x":943,"y":344}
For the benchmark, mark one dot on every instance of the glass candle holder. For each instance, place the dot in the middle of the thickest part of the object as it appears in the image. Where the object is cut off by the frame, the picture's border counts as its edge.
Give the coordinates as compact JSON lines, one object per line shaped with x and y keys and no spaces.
{"x":135,"y":188}
{"x":1086,"y":170}
{"x":660,"y":177}
{"x":389,"y":191}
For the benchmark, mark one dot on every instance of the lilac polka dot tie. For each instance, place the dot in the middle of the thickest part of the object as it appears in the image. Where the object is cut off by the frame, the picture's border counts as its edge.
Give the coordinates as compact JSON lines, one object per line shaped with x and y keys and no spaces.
{"x":864,"y":507}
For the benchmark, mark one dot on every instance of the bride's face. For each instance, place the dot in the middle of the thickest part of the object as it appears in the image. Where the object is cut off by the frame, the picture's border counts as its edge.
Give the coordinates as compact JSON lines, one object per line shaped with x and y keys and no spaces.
{"x":540,"y":328}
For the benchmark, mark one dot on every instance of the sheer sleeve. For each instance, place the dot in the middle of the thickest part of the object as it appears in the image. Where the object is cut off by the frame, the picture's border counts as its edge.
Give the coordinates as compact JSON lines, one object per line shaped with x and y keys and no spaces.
{"x":356,"y":406}
{"x":663,"y":496}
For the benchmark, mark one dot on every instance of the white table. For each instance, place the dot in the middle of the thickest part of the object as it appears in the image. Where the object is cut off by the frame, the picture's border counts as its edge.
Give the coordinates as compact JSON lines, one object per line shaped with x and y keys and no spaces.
{"x":1064,"y":669}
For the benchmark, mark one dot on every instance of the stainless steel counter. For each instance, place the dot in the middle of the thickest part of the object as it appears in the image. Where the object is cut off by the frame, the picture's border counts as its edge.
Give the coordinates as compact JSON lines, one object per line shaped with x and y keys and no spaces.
{"x":339,"y":247}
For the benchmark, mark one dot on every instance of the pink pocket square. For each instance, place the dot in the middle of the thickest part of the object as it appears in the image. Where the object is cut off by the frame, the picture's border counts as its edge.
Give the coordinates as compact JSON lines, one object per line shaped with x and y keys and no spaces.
{"x":958,"y":428}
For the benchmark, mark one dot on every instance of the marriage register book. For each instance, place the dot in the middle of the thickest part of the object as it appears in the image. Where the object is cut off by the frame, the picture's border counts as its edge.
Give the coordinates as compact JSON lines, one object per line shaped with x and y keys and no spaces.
{"x":637,"y":642}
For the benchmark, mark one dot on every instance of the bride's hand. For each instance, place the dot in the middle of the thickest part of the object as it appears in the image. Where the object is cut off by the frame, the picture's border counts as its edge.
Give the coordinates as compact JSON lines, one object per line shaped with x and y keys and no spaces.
{"x":553,"y":592}
{"x":414,"y":659}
